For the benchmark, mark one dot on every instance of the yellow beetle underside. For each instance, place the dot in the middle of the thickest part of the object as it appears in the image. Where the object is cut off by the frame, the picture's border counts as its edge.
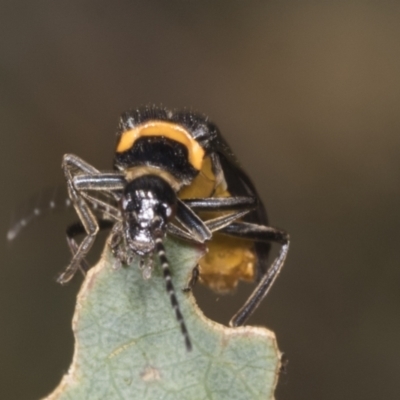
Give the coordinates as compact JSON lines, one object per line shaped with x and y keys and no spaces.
{"x":228,"y":259}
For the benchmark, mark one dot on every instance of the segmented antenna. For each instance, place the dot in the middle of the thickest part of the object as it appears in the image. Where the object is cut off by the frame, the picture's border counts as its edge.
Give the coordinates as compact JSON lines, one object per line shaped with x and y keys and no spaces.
{"x":171,"y":291}
{"x":44,"y":202}
{"x":53,"y":200}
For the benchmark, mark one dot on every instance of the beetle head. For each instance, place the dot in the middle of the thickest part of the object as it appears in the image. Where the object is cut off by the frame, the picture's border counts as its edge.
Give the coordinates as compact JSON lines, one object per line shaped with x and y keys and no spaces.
{"x":148,"y":203}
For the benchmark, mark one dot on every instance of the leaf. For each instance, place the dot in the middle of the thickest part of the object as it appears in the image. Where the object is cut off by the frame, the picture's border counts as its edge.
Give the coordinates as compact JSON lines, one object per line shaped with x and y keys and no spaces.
{"x":129,"y":344}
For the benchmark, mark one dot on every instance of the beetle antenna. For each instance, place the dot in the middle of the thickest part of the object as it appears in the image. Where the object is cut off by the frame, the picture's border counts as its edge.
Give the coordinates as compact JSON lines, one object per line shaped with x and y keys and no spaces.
{"x":160,"y":249}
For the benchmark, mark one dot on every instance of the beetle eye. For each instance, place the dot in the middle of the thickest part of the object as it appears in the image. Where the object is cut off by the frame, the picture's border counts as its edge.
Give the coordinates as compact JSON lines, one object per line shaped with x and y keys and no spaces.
{"x":129,"y":204}
{"x":164,"y":210}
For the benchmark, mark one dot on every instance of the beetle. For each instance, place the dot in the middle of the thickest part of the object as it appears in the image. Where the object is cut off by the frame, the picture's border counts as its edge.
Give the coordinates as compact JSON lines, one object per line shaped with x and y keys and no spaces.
{"x":175,"y":174}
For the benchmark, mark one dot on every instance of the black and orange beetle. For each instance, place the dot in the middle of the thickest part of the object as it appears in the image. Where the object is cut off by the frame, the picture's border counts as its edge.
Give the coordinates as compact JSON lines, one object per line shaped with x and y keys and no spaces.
{"x":174,"y":174}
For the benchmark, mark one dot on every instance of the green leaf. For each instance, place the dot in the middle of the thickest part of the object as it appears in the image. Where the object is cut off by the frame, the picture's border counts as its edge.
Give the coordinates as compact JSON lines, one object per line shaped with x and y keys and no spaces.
{"x":129,"y":344}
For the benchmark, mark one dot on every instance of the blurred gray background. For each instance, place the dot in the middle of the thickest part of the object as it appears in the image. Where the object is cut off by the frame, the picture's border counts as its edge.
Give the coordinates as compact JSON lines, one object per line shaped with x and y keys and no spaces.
{"x":308,"y":95}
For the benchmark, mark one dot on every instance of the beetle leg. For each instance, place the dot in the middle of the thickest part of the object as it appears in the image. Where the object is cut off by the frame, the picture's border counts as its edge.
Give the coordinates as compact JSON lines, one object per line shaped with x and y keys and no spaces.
{"x":193,"y":279}
{"x":256,"y":232}
{"x":87,"y":177}
{"x":72,"y":165}
{"x":90,"y":225}
{"x":106,"y":210}
{"x":76,"y":229}
{"x":103,"y":181}
{"x":218,"y":223}
{"x":73,"y":246}
{"x":213,"y":225}
{"x":259,"y":233}
{"x":198,"y":230}
{"x":233,"y":203}
{"x":180,"y":233}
